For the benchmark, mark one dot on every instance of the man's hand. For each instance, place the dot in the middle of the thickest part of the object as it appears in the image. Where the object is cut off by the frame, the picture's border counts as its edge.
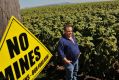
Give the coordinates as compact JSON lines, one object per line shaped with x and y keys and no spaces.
{"x":66,"y":61}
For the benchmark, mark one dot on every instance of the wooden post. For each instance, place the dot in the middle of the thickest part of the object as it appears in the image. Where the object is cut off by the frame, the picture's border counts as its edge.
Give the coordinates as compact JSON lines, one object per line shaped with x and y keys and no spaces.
{"x":8,"y":8}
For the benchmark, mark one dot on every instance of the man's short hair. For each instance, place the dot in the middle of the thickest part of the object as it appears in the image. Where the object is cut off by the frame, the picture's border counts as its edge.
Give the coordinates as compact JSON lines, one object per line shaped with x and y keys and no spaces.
{"x":67,"y":25}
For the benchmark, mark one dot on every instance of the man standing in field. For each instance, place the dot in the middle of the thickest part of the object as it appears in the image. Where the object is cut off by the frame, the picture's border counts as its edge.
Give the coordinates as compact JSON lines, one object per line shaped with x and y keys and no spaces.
{"x":69,"y":51}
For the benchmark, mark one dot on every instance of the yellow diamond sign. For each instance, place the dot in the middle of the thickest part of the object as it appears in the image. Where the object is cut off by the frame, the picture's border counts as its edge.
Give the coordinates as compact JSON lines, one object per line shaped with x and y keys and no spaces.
{"x":22,"y":55}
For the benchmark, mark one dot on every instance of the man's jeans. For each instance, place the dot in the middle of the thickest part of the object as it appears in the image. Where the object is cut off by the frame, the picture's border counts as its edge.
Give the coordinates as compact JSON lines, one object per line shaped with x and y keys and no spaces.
{"x":71,"y":71}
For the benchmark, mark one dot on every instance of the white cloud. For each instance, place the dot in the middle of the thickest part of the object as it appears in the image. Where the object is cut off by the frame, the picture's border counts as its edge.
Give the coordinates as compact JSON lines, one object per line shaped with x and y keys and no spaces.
{"x":78,"y":1}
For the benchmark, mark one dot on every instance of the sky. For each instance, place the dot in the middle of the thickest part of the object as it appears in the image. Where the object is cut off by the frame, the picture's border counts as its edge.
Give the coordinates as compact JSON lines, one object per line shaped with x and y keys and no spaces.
{"x":34,"y":3}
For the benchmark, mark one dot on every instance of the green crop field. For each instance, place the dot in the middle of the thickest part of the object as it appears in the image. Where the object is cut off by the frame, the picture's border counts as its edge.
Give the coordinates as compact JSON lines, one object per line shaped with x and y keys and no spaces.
{"x":96,"y":27}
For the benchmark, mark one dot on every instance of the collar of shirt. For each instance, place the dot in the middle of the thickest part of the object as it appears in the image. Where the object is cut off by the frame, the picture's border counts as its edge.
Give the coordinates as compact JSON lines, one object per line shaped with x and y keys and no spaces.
{"x":71,"y":39}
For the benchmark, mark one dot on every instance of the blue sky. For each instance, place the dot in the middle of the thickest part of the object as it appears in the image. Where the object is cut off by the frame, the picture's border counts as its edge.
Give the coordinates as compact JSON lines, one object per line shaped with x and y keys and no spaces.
{"x":33,"y":3}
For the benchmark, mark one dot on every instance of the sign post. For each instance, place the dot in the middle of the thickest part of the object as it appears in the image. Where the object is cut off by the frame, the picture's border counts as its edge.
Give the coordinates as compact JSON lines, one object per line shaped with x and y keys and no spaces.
{"x":22,"y":55}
